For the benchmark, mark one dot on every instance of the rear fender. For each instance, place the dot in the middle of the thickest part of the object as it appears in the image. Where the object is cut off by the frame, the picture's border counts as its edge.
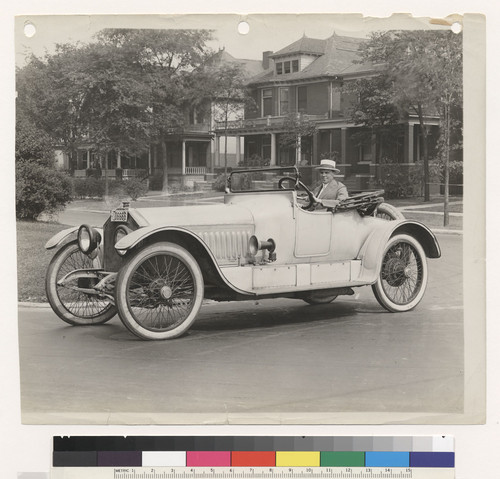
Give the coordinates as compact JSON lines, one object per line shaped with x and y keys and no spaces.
{"x":373,"y":248}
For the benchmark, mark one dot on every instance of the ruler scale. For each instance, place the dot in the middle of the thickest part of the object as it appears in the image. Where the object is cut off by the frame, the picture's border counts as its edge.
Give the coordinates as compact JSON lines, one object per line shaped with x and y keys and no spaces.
{"x":185,"y":457}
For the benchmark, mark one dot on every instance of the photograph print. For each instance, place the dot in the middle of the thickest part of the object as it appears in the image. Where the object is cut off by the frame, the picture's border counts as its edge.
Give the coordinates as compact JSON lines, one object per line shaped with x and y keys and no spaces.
{"x":258,"y":222}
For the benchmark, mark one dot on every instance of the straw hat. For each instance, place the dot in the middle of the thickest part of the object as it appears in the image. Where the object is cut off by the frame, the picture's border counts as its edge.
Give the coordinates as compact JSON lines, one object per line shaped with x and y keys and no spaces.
{"x":328,"y":165}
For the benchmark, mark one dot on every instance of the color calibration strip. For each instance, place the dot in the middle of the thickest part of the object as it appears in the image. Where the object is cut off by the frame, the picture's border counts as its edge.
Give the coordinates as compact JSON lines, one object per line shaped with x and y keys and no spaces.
{"x":240,"y":451}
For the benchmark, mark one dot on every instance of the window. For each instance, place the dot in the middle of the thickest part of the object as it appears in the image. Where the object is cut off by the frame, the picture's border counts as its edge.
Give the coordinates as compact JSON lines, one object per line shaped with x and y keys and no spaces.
{"x":279,"y":68}
{"x":286,"y":67}
{"x":283,"y":101}
{"x":295,"y":66}
{"x":302,"y":99}
{"x":267,"y":102}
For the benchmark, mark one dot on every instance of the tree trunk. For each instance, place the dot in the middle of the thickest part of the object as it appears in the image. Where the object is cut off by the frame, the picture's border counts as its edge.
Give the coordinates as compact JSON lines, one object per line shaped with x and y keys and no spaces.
{"x":106,"y":180}
{"x":446,"y":219}
{"x":424,"y":136}
{"x":225,"y":151}
{"x":164,"y":188}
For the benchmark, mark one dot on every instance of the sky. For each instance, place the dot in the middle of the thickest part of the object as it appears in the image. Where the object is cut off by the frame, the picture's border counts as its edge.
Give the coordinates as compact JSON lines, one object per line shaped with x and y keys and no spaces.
{"x":266,"y":32}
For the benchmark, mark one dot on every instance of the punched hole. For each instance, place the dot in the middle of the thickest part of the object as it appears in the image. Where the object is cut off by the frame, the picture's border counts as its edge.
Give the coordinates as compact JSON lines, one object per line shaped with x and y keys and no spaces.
{"x":456,"y":27}
{"x":29,"y":30}
{"x":243,"y":28}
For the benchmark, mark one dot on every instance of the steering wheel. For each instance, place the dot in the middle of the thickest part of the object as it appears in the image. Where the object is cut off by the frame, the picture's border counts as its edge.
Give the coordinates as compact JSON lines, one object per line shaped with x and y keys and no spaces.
{"x":308,"y":199}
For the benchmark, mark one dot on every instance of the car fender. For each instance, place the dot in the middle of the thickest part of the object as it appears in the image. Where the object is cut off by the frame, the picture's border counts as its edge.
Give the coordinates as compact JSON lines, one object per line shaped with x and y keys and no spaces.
{"x":62,"y":237}
{"x":373,"y":248}
{"x":65,"y":236}
{"x":133,"y":239}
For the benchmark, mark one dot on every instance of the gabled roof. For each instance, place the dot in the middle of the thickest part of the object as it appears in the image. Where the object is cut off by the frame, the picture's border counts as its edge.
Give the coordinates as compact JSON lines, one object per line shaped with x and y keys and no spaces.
{"x":339,"y":57}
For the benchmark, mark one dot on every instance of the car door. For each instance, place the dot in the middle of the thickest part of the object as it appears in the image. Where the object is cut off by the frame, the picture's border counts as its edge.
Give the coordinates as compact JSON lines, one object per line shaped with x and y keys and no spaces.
{"x":313,"y":233}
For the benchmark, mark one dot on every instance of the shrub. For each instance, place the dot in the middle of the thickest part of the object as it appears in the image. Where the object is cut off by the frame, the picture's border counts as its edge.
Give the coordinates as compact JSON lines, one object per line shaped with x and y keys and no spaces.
{"x":135,"y":187}
{"x":156,"y":182}
{"x":40,"y":189}
{"x":220,"y":183}
{"x":88,"y":188}
{"x":401,"y":181}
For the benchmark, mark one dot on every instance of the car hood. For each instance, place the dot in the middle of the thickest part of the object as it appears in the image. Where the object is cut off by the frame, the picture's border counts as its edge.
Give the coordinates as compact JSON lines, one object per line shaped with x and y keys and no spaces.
{"x":197,"y":215}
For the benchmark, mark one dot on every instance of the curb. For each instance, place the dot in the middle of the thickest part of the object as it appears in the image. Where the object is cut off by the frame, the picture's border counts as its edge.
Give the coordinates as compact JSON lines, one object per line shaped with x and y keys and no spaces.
{"x":447,"y":232}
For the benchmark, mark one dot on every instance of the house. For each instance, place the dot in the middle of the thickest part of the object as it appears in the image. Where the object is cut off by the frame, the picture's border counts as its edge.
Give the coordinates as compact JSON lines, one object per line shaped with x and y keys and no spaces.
{"x":301,"y":85}
{"x":194,"y":154}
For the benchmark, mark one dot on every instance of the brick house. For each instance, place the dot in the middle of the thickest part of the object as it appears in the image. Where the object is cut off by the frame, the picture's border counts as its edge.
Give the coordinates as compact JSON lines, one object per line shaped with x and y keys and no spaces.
{"x":303,"y":80}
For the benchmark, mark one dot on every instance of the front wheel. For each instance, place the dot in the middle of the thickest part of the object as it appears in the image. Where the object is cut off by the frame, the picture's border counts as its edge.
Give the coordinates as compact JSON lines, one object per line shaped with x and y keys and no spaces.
{"x":159,"y":291}
{"x":73,"y":306}
{"x":403,"y":274}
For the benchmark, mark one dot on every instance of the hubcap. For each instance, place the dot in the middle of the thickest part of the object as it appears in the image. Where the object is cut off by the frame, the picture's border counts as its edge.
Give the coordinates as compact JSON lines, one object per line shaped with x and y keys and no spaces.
{"x":166,"y":292}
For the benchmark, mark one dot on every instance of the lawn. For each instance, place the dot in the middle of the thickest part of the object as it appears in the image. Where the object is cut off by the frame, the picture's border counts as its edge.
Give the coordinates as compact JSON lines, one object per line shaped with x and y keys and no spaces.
{"x":33,"y":258}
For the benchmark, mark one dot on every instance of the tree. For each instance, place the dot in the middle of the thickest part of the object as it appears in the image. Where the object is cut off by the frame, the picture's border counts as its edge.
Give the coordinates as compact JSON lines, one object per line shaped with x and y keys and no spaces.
{"x":415,"y":72}
{"x":224,"y":85}
{"x":168,"y":61}
{"x":296,"y":127}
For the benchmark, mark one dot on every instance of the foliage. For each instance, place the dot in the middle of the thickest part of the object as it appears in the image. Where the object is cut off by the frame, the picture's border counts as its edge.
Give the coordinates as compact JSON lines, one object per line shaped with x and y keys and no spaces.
{"x":420,"y":73}
{"x":40,"y":189}
{"x":296,"y":126}
{"x":220,"y":183}
{"x":32,"y":143}
{"x":254,"y":161}
{"x":89,"y":187}
{"x":134,"y":187}
{"x":400,"y":181}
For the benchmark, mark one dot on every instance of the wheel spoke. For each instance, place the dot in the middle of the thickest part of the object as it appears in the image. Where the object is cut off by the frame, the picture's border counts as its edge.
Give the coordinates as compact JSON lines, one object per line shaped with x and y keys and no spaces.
{"x":166,"y":292}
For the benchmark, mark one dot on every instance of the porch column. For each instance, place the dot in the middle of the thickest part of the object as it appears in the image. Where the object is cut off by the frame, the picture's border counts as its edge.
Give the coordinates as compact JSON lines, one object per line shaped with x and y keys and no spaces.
{"x":217,"y":150}
{"x":298,"y":152}
{"x":150,"y":163}
{"x":238,"y":150}
{"x":409,"y":142}
{"x":343,"y":145}
{"x":119,"y":159}
{"x":273,"y":149}
{"x":183,"y":171}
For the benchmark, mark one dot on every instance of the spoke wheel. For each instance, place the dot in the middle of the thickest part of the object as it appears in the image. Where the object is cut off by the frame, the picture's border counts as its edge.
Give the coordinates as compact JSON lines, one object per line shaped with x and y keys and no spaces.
{"x":159,"y":291}
{"x":403,"y":274}
{"x":74,"y":307}
{"x":387,"y":212}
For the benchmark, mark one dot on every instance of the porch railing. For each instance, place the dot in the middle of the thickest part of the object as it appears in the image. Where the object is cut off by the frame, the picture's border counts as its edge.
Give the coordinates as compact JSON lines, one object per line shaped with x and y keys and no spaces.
{"x":196,"y":170}
{"x":262,"y":123}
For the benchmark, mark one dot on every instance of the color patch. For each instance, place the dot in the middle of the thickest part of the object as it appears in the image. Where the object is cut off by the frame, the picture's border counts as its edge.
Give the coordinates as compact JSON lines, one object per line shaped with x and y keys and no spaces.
{"x":164,"y":458}
{"x":432,"y":459}
{"x":342,"y":459}
{"x":208,"y":459}
{"x":119,"y":458}
{"x":297,"y":458}
{"x":253,"y":458}
{"x":387,"y":459}
{"x":74,"y":458}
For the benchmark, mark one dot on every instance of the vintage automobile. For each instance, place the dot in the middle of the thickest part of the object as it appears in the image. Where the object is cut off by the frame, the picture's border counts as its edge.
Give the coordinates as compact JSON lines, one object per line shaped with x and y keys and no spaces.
{"x":155,"y":266}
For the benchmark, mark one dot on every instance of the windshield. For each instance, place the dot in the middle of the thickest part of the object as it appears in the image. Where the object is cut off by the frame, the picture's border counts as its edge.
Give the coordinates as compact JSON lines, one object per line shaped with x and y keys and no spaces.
{"x":268,"y":179}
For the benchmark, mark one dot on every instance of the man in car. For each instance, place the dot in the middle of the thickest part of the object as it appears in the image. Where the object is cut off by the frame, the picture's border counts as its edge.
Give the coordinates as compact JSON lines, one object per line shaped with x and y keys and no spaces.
{"x":331,"y":192}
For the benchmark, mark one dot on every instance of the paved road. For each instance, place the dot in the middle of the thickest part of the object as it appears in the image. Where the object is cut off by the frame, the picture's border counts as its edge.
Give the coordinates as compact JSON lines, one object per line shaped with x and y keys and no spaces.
{"x":276,"y":360}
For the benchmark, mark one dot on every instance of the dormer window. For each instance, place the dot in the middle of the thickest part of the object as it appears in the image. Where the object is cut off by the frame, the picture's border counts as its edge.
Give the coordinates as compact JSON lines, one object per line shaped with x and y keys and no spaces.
{"x":289,"y":66}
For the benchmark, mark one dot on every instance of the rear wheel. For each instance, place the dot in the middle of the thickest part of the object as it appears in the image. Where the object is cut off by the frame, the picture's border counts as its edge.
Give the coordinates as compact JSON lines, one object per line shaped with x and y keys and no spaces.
{"x":388,"y":212}
{"x":159,"y":291}
{"x":70,"y":305}
{"x":403,"y":274}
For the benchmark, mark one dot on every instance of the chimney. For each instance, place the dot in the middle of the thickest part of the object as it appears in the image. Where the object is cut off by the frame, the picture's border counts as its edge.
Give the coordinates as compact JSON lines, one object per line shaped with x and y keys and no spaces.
{"x":265,"y":59}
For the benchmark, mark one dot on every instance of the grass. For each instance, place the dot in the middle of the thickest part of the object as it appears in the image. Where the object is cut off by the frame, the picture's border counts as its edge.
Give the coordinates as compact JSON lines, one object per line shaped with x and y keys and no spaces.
{"x":33,"y":259}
